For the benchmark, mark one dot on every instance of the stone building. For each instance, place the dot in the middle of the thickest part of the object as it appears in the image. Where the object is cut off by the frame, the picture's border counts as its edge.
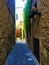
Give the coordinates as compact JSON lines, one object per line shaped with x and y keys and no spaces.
{"x":39,"y":39}
{"x":6,"y":31}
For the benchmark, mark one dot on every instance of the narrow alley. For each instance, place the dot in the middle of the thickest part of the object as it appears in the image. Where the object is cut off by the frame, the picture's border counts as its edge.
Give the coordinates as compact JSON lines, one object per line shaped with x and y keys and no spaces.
{"x":24,"y":32}
{"x":20,"y":53}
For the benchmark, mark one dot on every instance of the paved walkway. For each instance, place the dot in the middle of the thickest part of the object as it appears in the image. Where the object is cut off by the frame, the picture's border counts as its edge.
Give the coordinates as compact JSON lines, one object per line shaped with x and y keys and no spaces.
{"x":20,"y":40}
{"x":21,"y":55}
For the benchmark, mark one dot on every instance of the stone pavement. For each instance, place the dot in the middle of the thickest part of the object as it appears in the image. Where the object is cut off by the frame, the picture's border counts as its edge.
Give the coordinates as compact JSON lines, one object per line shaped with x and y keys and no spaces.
{"x":21,"y":55}
{"x":20,"y":40}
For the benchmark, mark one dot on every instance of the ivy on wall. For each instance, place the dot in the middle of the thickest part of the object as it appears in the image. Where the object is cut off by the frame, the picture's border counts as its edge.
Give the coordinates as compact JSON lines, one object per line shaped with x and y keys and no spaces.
{"x":27,"y":10}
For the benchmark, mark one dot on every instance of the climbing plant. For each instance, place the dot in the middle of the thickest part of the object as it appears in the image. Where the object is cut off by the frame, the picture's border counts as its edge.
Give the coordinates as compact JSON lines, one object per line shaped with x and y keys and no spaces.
{"x":27,"y":10}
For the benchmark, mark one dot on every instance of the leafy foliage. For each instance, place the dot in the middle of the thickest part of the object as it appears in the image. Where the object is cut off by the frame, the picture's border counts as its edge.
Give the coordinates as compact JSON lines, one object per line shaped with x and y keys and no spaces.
{"x":27,"y":10}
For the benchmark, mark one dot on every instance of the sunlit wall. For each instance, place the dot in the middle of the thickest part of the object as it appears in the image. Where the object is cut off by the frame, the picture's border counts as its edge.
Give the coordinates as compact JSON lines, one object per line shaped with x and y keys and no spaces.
{"x":19,"y":6}
{"x":19,"y":11}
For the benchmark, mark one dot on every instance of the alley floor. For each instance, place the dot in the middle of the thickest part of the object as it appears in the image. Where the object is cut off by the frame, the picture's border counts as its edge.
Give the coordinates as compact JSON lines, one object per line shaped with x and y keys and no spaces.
{"x":21,"y":40}
{"x":21,"y":55}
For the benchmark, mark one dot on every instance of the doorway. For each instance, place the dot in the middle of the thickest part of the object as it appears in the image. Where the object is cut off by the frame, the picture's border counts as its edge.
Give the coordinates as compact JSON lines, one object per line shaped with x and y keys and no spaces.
{"x":36,"y":48}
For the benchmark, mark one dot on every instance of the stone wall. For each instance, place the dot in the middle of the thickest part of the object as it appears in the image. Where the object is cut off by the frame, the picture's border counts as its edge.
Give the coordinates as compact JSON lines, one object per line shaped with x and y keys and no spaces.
{"x":40,"y":30}
{"x":6,"y":31}
{"x":44,"y":32}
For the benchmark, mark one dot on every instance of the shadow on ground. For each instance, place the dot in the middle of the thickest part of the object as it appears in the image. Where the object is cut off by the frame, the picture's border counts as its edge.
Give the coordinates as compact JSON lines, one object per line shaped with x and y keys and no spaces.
{"x":21,"y":55}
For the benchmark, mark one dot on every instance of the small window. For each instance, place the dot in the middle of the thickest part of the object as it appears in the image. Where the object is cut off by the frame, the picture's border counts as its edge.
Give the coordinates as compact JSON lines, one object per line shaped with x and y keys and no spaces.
{"x":16,"y":16}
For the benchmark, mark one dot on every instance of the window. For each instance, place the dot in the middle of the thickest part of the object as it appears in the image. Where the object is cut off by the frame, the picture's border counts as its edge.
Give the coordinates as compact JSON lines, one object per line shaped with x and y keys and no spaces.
{"x":16,"y":16}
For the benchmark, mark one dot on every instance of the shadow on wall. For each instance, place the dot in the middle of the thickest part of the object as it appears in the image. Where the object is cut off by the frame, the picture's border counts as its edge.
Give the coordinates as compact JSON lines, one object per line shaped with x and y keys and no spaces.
{"x":11,"y":7}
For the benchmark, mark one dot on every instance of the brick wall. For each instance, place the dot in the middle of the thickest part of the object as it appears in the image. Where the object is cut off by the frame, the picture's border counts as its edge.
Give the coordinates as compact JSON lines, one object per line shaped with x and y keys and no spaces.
{"x":6,"y":31}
